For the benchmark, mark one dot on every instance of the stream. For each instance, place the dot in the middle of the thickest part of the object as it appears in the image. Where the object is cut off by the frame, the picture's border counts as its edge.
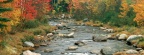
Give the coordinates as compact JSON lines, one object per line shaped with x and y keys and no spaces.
{"x":82,"y":33}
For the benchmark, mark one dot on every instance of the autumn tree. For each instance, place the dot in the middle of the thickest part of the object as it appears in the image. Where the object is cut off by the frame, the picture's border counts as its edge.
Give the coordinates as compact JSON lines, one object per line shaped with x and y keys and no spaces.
{"x":139,"y":9}
{"x":42,"y":7}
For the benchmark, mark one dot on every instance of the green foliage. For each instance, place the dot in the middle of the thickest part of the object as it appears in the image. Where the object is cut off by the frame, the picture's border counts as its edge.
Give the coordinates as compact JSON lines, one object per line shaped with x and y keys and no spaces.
{"x":6,"y":1}
{"x":61,"y":7}
{"x":44,"y":20}
{"x":31,"y":24}
{"x":4,"y":19}
{"x":37,"y":32}
{"x":3,"y":44}
{"x":27,"y":38}
{"x":4,"y":9}
{"x":47,"y":30}
{"x":128,"y":20}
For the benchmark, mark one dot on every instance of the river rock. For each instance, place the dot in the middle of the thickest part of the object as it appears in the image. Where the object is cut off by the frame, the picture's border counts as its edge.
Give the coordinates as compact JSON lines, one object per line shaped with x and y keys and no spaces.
{"x":138,"y":49}
{"x":131,"y":51}
{"x":122,"y":37}
{"x":95,"y":51}
{"x":108,"y":51}
{"x":99,"y":38}
{"x":120,"y":53}
{"x":102,"y":28}
{"x":61,"y":26}
{"x":79,"y":43}
{"x":111,"y":36}
{"x":109,"y":30}
{"x":48,"y":50}
{"x":70,"y":35}
{"x":72,"y":47}
{"x":50,"y":34}
{"x":132,"y":38}
{"x":28,"y":52}
{"x":43,"y":44}
{"x":28,"y":44}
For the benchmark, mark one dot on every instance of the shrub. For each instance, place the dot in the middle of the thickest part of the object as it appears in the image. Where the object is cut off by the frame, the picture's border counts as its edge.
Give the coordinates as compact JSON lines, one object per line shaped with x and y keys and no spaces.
{"x":3,"y":44}
{"x":37,"y":32}
{"x":44,"y":20}
{"x":31,"y":24}
{"x":27,"y":38}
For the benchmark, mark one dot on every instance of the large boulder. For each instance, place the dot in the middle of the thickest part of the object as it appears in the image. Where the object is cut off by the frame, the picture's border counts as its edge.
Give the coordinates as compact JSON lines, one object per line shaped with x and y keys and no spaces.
{"x":99,"y":38}
{"x":28,"y":44}
{"x":28,"y":52}
{"x":132,"y":39}
{"x":122,"y":37}
{"x":108,"y":51}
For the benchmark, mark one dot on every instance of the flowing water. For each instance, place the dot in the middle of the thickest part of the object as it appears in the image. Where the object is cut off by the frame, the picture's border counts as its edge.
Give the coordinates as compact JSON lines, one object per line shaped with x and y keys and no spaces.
{"x":84,"y":33}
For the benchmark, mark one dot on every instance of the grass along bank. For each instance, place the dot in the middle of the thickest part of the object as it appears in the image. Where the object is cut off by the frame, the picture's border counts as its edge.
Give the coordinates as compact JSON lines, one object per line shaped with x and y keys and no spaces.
{"x":12,"y":43}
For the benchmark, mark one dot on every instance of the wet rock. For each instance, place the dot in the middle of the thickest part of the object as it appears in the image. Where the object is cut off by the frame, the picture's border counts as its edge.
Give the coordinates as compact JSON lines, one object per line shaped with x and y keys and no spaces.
{"x":28,"y":52}
{"x":76,"y":53}
{"x":99,"y":38}
{"x":50,"y":34}
{"x":109,"y":30}
{"x":70,"y":35}
{"x":111,"y":37}
{"x":138,"y":49}
{"x":122,"y":37}
{"x":85,"y":19}
{"x":95,"y":51}
{"x":120,"y":53}
{"x":103,"y":28}
{"x":133,"y":38}
{"x":28,"y":44}
{"x":61,"y":26}
{"x":79,"y":43}
{"x":61,"y":35}
{"x":131,"y":51}
{"x":108,"y":51}
{"x":72,"y":47}
{"x":48,"y":50}
{"x":36,"y":45}
{"x":63,"y":16}
{"x":43,"y":44}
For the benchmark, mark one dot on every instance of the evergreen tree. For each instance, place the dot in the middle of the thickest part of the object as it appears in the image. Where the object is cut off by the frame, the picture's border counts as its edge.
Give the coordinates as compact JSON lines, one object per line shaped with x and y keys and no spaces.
{"x":2,"y":20}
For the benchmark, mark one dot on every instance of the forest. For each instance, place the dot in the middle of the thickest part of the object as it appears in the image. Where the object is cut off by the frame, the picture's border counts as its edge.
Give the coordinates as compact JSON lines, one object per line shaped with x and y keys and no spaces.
{"x":22,"y":20}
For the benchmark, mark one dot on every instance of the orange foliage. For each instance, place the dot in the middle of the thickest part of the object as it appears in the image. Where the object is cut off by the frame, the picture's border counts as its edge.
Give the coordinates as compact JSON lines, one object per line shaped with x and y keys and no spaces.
{"x":124,"y":9}
{"x":139,"y":9}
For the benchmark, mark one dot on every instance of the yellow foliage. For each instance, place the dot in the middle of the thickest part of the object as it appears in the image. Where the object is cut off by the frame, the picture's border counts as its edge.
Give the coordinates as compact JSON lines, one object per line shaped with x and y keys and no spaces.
{"x":13,"y":15}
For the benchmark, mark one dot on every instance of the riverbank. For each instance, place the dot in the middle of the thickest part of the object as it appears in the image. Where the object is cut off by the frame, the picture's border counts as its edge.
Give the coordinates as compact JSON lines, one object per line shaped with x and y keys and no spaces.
{"x":13,"y":44}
